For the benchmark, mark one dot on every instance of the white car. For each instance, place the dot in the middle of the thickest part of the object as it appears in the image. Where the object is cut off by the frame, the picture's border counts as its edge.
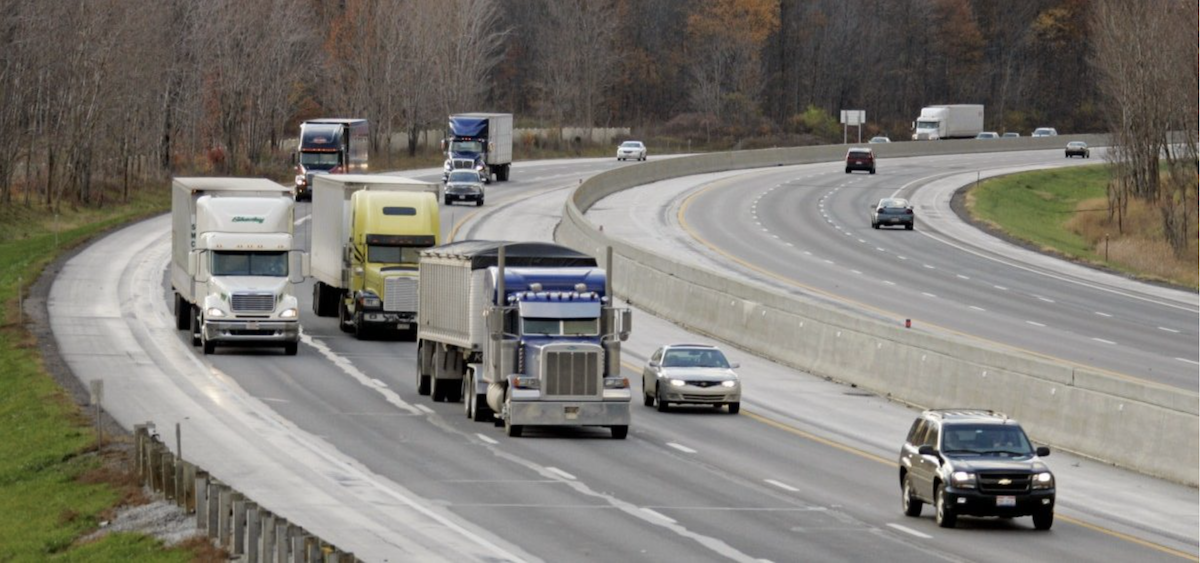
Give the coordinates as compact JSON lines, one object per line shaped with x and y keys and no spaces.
{"x":988,"y":135}
{"x":631,"y":149}
{"x":695,"y":374}
{"x":1045,"y":132}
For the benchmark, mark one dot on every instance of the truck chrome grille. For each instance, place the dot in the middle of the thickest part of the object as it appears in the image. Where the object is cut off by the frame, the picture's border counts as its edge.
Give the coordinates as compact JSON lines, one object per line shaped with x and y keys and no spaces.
{"x":571,"y":374}
{"x":400,"y":294}
{"x":253,"y":302}
{"x":461,"y":163}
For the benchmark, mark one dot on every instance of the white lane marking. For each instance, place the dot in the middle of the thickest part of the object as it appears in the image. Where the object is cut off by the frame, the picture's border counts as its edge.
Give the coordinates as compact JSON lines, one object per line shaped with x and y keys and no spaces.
{"x":910,"y":531}
{"x":424,"y":409}
{"x":1046,"y":299}
{"x":857,"y":272}
{"x":1195,"y":363}
{"x":977,"y":308}
{"x":349,"y":369}
{"x":681,"y":448}
{"x":926,"y":294}
{"x":862,"y":241}
{"x":272,"y":400}
{"x":962,"y":277}
{"x":1000,"y":287}
{"x":829,"y":261}
{"x":561,"y":473}
{"x":790,"y":244}
{"x":776,"y":236}
{"x":783,"y":486}
{"x":808,"y":253}
{"x":379,"y":383}
{"x":1168,"y":329}
{"x":902,"y":257}
{"x":657,"y":515}
{"x":1103,"y":314}
{"x":928,"y":266}
{"x":889,"y":282}
{"x":301,"y":220}
{"x":1035,"y":323}
{"x":1103,"y":341}
{"x":880,"y":249}
{"x":487,"y":439}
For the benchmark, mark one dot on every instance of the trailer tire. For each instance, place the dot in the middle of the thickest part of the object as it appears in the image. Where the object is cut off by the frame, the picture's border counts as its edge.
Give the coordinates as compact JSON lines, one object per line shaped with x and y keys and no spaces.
{"x":182,"y":308}
{"x":422,"y":380}
{"x":438,"y":390}
{"x":620,"y":432}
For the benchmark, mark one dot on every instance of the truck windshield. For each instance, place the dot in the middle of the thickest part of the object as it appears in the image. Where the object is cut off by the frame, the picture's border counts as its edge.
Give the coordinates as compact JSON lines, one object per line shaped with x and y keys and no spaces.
{"x":468,"y":147}
{"x":381,"y":254}
{"x":319,"y":160}
{"x":560,"y":327}
{"x":228,"y":263}
{"x":927,"y":125}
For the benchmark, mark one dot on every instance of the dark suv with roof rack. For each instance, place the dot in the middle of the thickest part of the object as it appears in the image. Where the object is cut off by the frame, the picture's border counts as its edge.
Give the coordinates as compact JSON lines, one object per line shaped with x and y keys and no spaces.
{"x":976,"y":463}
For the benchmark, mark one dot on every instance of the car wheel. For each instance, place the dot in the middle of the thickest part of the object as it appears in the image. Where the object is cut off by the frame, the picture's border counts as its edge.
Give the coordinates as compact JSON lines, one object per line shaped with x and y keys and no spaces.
{"x":662,"y":405}
{"x":291,"y":348}
{"x":735,"y":408}
{"x":911,"y":504}
{"x":647,"y":399}
{"x":847,"y":170}
{"x":479,"y":202}
{"x":874,"y":225}
{"x":908,"y":227}
{"x":620,"y":432}
{"x":946,"y":518}
{"x":1043,"y":519}
{"x":872,"y":170}
{"x":446,"y":200}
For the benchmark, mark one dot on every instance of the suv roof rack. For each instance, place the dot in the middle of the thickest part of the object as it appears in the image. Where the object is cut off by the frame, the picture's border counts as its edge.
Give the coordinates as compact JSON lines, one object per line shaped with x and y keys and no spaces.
{"x":686,"y":345}
{"x":967,"y":412}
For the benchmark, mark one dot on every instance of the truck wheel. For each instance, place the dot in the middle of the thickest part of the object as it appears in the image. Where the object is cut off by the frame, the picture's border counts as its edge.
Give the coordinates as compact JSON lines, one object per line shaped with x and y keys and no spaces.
{"x":291,"y":348}
{"x":422,"y":382}
{"x":344,"y":319}
{"x":620,"y":432}
{"x":438,"y":390}
{"x":209,"y":347}
{"x":182,"y":308}
{"x":195,"y":322}
{"x":360,"y":330}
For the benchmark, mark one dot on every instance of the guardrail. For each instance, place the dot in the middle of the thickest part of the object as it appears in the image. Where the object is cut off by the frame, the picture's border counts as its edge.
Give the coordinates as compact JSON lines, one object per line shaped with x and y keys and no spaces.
{"x":1139,"y":425}
{"x":238,"y":524}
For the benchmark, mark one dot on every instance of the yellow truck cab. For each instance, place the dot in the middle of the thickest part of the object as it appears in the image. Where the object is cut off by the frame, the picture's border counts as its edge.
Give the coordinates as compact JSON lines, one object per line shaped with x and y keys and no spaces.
{"x":371,"y":282}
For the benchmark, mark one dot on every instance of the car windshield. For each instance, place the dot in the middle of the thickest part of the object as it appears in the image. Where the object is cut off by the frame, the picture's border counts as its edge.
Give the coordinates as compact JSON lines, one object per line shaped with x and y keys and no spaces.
{"x":694,"y":359}
{"x":893,"y":203}
{"x":631,"y":145}
{"x":319,"y":160}
{"x":1076,"y":144}
{"x":227,"y":263}
{"x":985,"y":439}
{"x":464,"y":176}
{"x":386,"y":254}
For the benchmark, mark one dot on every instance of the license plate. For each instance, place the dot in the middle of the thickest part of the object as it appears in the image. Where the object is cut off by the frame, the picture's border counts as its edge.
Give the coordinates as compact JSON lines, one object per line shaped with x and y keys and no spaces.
{"x":571,"y":413}
{"x":252,"y":325}
{"x":1006,"y":501}
{"x":402,"y":326}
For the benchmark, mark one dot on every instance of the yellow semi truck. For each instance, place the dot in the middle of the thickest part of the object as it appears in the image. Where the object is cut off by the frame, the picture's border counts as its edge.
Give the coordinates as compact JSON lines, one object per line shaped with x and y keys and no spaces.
{"x":367,"y":235}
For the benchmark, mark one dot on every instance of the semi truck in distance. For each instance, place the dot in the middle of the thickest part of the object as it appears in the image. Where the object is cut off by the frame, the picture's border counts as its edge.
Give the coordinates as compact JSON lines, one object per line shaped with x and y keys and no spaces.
{"x":959,"y":121}
{"x":234,"y":263}
{"x":330,"y":146}
{"x":524,"y":333}
{"x":482,"y":141}
{"x":367,"y":233}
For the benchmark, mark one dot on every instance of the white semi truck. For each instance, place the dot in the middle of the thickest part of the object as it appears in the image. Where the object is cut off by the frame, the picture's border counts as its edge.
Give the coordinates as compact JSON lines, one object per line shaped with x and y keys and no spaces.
{"x":234,"y":263}
{"x":525,"y":334}
{"x":958,"y":121}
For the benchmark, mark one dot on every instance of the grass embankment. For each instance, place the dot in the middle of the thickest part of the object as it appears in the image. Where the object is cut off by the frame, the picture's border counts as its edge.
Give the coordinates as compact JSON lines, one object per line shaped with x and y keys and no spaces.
{"x":1066,"y":212}
{"x":56,"y":485}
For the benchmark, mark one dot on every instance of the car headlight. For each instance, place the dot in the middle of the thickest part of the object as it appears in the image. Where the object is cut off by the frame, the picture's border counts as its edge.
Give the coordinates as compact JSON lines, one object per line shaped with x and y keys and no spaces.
{"x":1043,"y":481}
{"x":678,"y":383}
{"x":729,"y":383}
{"x":963,"y":479}
{"x":214,"y":312}
{"x":289,"y":313}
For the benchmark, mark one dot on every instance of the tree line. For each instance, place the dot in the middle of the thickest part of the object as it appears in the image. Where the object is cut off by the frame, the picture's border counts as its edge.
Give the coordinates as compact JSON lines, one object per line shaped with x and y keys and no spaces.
{"x":113,"y":92}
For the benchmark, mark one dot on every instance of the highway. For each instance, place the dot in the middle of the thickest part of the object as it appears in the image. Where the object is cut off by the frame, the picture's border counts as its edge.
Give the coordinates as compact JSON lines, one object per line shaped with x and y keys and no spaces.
{"x":339,"y":440}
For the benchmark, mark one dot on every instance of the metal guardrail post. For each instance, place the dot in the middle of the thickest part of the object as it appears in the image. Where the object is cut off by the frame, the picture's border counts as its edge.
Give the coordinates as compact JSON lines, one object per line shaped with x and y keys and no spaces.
{"x":224,"y":515}
{"x":253,"y":530}
{"x":238,"y":545}
{"x":202,"y":499}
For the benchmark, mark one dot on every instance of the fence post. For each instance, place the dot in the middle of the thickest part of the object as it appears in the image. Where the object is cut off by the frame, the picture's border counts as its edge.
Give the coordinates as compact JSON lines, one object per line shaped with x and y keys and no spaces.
{"x":268,"y":538}
{"x":189,"y":487}
{"x":239,"y":524}
{"x":224,"y":514}
{"x":212,"y":507}
{"x":296,"y":535}
{"x":139,"y":450}
{"x":253,"y":529}
{"x":201,"y":499}
{"x":281,"y":540}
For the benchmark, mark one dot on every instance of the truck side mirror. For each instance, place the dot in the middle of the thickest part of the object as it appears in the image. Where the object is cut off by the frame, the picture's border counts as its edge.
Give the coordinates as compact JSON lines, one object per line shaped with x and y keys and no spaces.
{"x":495,"y":322}
{"x":626,"y":324}
{"x":299,"y":267}
{"x":443,"y":143}
{"x":196,"y":266}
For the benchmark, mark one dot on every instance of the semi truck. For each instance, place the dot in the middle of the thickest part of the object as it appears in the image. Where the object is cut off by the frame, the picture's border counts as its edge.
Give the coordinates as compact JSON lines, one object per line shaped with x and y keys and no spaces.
{"x":959,"y":121}
{"x":234,"y":263}
{"x":524,"y":334}
{"x":482,"y":141}
{"x":330,"y":146}
{"x":367,"y":232}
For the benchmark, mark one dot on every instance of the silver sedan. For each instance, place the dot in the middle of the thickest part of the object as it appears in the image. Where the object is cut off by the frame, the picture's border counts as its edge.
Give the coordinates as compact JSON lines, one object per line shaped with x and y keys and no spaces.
{"x":631,"y":149}
{"x":695,"y":374}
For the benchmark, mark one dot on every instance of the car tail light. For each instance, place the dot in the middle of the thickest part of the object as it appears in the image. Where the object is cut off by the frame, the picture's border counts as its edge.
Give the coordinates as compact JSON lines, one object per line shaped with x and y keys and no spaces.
{"x":880,"y":210}
{"x":908,"y":212}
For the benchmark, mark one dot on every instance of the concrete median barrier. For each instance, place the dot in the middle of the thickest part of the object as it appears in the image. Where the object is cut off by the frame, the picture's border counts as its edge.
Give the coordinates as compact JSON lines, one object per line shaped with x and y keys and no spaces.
{"x":1135,"y":424}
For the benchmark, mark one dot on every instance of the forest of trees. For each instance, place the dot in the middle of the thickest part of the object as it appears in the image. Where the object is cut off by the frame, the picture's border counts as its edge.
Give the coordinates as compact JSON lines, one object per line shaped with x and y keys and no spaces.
{"x":114,"y":92}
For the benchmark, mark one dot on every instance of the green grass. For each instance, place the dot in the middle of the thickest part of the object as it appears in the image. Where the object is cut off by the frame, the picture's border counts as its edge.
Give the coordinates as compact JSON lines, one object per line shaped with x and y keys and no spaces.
{"x":1036,"y":206}
{"x":45,"y":506}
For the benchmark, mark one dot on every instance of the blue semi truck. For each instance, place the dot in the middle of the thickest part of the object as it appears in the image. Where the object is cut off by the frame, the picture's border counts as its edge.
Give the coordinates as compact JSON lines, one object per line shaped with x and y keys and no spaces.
{"x":524,"y":333}
{"x":482,"y":142}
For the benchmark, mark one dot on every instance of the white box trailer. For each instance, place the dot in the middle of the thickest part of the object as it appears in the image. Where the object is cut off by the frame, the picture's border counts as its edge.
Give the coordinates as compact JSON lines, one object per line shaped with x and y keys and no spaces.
{"x":234,"y":262}
{"x":956,"y":121}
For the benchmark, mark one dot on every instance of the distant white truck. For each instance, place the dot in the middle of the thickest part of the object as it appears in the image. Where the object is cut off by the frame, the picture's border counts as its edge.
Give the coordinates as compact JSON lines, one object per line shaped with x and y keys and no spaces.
{"x":959,"y":121}
{"x":234,"y":263}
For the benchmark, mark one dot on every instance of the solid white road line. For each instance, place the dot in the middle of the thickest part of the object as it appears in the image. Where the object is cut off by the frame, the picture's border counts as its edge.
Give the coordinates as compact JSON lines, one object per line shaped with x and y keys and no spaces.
{"x":424,"y":408}
{"x":783,"y":486}
{"x":910,"y":531}
{"x":1168,"y":329}
{"x":561,"y":473}
{"x":487,"y":439}
{"x":981,"y":309}
{"x":657,"y":515}
{"x":927,"y":294}
{"x":681,"y":448}
{"x":1000,"y":287}
{"x":962,"y":277}
{"x":1103,"y":314}
{"x":1188,"y":361}
{"x":1035,"y":323}
{"x":1103,"y":341}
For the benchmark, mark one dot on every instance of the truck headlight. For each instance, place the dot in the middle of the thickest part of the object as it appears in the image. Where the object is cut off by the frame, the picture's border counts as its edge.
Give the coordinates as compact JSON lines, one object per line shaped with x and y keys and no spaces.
{"x":963,"y":479}
{"x":370,"y":301}
{"x":289,"y":313}
{"x":526,"y":382}
{"x":300,"y":180}
{"x":678,"y":383}
{"x":1043,"y":481}
{"x":616,"y":383}
{"x":214,"y":312}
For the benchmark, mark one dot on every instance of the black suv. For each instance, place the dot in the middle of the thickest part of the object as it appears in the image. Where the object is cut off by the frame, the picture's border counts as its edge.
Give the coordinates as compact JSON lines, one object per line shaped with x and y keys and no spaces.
{"x":977,"y":463}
